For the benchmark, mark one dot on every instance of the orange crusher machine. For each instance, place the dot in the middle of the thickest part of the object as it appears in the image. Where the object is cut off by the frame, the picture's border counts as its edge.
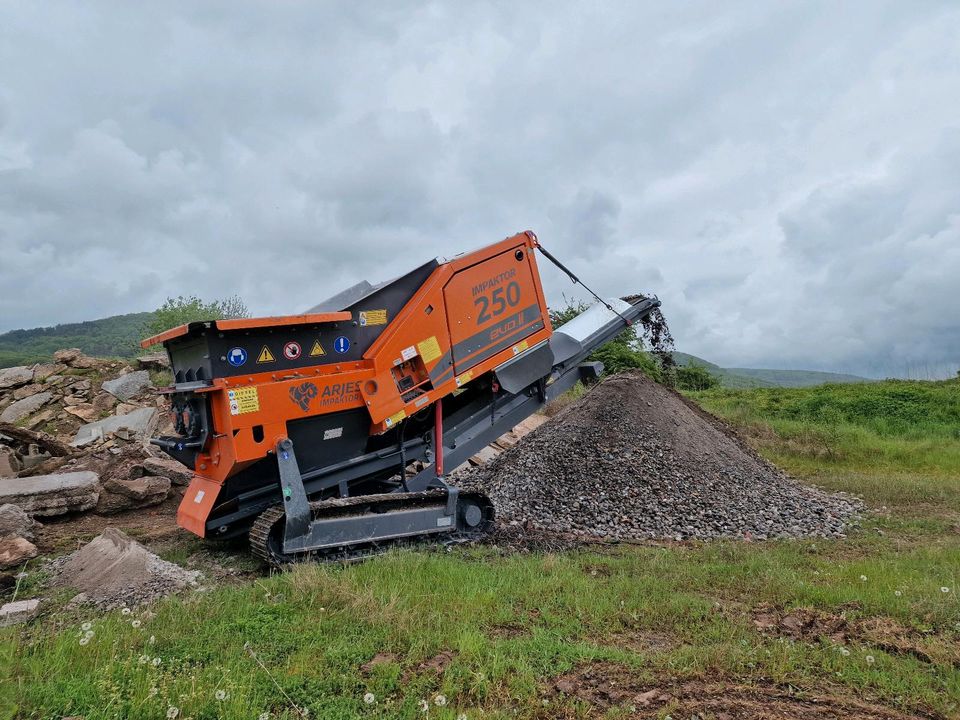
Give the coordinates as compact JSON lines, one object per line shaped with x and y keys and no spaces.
{"x":301,"y":430}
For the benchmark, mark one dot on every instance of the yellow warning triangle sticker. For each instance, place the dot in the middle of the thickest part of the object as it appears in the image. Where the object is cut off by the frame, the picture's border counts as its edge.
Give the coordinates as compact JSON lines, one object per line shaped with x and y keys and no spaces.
{"x":317,"y":350}
{"x":265,"y":355}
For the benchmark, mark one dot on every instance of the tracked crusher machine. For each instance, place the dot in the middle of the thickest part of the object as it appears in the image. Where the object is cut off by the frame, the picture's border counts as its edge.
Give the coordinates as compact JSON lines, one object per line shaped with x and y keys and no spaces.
{"x":302,"y":430}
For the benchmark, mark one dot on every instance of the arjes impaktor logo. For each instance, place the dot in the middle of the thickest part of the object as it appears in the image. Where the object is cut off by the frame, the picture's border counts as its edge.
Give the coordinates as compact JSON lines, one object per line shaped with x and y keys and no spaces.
{"x":302,"y":394}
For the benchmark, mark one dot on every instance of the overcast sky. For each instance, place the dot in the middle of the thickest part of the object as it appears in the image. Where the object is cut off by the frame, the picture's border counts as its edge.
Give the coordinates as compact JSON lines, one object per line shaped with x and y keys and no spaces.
{"x":784,"y":175}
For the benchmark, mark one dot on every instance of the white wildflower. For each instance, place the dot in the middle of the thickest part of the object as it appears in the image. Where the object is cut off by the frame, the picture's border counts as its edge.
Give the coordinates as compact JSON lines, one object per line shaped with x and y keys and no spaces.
{"x":263,"y":716}
{"x":84,"y":640}
{"x":869,"y":659}
{"x":89,"y":634}
{"x":440,"y":700}
{"x":156,"y":662}
{"x":143,"y":659}
{"x":369,"y":698}
{"x":844,"y":652}
{"x":135,"y":623}
{"x":898,"y":593}
{"x":172,"y":712}
{"x":152,"y":639}
{"x":125,"y":611}
{"x":944,"y":589}
{"x":424,"y":706}
{"x":462,"y":716}
{"x":863,"y":578}
{"x":153,"y":692}
{"x":86,"y":626}
{"x":221,"y":695}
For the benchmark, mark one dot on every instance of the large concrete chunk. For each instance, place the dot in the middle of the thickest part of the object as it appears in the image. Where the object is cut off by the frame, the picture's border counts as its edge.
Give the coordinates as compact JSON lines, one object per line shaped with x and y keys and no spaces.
{"x":14,"y":613}
{"x":56,"y":494}
{"x":139,"y":422}
{"x":15,"y":376}
{"x":15,"y":551}
{"x":21,"y":408}
{"x":120,"y":495}
{"x":128,"y":386}
{"x":164,"y":467}
{"x":14,"y":521}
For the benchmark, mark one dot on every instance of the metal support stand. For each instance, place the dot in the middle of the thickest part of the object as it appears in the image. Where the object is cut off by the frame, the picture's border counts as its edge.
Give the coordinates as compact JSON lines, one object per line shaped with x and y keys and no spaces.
{"x":295,"y":502}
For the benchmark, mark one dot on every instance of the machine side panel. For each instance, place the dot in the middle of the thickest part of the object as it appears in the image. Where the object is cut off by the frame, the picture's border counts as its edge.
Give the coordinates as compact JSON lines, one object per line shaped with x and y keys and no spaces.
{"x":493,"y":306}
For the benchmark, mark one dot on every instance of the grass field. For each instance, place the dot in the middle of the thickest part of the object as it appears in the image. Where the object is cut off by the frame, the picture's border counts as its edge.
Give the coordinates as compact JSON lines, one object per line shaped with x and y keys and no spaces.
{"x":480,"y":633}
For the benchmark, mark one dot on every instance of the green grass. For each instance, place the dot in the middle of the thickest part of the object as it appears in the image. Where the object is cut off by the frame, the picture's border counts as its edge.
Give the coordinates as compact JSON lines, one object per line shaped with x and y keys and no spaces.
{"x":512,"y":622}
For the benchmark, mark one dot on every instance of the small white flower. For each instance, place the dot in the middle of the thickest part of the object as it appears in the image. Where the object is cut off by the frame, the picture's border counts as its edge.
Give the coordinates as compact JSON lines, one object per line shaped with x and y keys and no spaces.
{"x":897,"y":593}
{"x":172,"y":712}
{"x":369,"y":698}
{"x":86,"y":626}
{"x":263,"y":716}
{"x":152,"y":639}
{"x":84,"y":640}
{"x":89,"y":634}
{"x":844,"y":652}
{"x":126,"y":611}
{"x":863,"y":578}
{"x":440,"y":700}
{"x":143,"y":659}
{"x":220,"y":695}
{"x":156,"y":662}
{"x":944,"y":589}
{"x":153,"y":692}
{"x":869,"y":659}
{"x":462,"y":716}
{"x":135,"y":623}
{"x":424,"y":706}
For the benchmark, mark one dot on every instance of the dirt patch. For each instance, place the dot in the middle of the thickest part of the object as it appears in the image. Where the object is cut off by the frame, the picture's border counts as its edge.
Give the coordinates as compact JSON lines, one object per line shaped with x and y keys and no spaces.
{"x":643,"y":642}
{"x":113,"y":570}
{"x":376,"y":661}
{"x":435,"y":665}
{"x":604,"y":685}
{"x":882,"y":633}
{"x":633,"y":460}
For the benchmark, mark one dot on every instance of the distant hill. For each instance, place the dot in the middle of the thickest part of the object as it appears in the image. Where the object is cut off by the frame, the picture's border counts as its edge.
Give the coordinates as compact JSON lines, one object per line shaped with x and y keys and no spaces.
{"x":115,"y":336}
{"x":740,"y":378}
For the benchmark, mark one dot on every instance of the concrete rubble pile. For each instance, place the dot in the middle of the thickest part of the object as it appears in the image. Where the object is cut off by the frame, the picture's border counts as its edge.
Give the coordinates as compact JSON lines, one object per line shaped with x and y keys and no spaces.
{"x":634,"y":460}
{"x":73,"y":439}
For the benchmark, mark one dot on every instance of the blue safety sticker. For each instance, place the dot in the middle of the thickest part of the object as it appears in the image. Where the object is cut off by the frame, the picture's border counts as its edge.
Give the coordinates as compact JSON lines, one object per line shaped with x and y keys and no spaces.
{"x":341,"y":344}
{"x":237,"y":356}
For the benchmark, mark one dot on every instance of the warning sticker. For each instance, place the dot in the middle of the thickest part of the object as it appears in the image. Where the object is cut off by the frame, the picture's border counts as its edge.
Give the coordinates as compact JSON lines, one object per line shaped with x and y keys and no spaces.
{"x":332,"y":433}
{"x":291,"y":351}
{"x":373,"y":317}
{"x":265,"y":356}
{"x":395,"y":418}
{"x":465,"y":378}
{"x":429,"y":349}
{"x":520,"y":347}
{"x":244,"y":400}
{"x":408,"y":353}
{"x":317,"y":349}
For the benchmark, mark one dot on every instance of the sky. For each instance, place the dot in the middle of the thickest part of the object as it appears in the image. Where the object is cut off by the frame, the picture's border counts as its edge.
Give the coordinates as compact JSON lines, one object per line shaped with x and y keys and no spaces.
{"x":785,"y":176}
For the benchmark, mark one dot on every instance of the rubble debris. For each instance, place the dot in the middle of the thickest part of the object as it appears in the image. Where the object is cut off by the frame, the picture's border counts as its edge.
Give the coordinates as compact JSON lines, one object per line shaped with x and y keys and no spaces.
{"x":113,"y":570}
{"x":635,"y":460}
{"x":15,"y":376}
{"x":121,"y":494}
{"x":42,"y":440}
{"x":20,"y":409}
{"x":154,"y":361}
{"x":10,"y":464}
{"x":43,"y":371}
{"x":14,"y":521}
{"x":74,"y":357}
{"x":21,"y":611}
{"x":127,"y":386}
{"x":139,"y":422}
{"x":15,"y":550}
{"x":57,"y":494}
{"x":175,"y":472}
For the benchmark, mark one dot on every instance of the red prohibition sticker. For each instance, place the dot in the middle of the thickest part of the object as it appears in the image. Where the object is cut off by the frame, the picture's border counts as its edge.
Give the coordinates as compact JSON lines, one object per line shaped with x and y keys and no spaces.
{"x":291,"y":351}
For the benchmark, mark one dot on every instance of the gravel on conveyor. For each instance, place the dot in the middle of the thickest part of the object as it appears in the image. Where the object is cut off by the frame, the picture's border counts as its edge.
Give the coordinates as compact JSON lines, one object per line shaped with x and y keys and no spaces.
{"x":632,"y":459}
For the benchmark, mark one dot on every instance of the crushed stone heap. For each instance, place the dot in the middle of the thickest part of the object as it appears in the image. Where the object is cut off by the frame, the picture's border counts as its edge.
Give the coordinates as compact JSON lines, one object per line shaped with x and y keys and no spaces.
{"x":113,"y":570}
{"x":635,"y":460}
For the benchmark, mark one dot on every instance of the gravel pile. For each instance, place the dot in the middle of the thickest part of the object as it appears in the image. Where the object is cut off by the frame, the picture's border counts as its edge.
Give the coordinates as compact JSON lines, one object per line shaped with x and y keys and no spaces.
{"x":634,"y":460}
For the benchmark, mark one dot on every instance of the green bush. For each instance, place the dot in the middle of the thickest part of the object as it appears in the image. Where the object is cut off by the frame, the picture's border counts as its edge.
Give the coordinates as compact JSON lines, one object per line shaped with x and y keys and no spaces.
{"x":182,"y":310}
{"x":695,"y":377}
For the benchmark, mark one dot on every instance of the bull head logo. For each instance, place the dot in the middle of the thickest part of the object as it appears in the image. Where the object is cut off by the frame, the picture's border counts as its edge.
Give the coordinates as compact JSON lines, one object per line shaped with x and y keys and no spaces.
{"x":302,"y":394}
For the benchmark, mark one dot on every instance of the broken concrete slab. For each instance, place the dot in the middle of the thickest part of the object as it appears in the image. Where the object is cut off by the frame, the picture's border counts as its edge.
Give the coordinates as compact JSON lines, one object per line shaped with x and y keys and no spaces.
{"x":140,"y":422}
{"x":15,"y":613}
{"x":127,"y":386}
{"x":45,"y":370}
{"x":83,"y":410}
{"x":177,"y":473}
{"x":14,"y":521}
{"x":154,"y":361}
{"x":15,"y":550}
{"x":57,"y":494}
{"x":74,"y":357}
{"x":15,"y":376}
{"x":120,"y":495}
{"x":22,"y":408}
